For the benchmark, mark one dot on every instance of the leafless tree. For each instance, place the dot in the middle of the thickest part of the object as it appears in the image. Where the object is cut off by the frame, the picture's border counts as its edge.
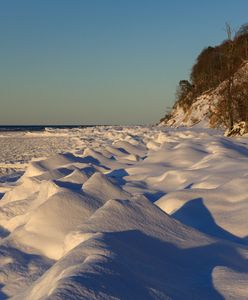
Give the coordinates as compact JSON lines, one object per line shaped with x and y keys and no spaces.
{"x":230,"y":75}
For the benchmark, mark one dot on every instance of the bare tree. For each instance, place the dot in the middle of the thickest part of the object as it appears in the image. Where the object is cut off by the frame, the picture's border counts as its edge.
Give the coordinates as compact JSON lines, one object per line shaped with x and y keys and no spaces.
{"x":243,"y":30}
{"x":230,"y":75}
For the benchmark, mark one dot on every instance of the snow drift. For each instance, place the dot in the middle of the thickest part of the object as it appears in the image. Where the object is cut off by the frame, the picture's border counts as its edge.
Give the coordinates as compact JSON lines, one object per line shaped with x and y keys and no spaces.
{"x":96,"y":224}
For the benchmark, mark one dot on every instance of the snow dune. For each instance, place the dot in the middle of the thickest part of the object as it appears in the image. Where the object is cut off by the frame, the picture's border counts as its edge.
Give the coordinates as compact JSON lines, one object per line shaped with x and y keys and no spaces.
{"x":130,"y":213}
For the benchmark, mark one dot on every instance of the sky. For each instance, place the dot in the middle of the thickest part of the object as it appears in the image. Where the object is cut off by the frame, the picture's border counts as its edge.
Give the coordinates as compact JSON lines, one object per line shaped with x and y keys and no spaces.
{"x":102,"y":61}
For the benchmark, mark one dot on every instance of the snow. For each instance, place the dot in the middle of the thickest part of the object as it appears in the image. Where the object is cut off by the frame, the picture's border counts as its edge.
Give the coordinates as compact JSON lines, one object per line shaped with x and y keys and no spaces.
{"x":125,"y":213}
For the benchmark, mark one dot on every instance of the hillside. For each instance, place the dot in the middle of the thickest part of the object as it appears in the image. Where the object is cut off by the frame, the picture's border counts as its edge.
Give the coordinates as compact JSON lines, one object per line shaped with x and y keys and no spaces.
{"x":217,"y":93}
{"x":205,"y":110}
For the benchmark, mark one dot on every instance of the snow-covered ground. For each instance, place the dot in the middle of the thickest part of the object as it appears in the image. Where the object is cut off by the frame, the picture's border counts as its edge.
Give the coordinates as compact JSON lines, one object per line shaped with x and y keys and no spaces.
{"x":124,"y":213}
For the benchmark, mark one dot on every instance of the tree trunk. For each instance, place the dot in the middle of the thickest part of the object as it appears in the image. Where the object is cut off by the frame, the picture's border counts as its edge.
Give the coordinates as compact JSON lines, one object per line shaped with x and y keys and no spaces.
{"x":230,"y":102}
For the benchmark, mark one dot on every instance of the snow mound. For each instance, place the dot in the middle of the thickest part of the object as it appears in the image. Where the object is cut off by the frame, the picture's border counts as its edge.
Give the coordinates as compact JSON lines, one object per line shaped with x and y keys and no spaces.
{"x":99,"y":186}
{"x":77,"y":177}
{"x":132,"y":256}
{"x":52,"y":221}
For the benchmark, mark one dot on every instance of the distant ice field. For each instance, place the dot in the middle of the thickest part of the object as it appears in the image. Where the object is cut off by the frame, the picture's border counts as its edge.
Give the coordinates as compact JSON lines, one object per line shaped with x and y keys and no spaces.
{"x":17,"y":149}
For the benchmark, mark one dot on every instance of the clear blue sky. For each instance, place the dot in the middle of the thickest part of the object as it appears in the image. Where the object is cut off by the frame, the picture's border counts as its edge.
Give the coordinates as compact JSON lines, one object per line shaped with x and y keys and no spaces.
{"x":102,"y":61}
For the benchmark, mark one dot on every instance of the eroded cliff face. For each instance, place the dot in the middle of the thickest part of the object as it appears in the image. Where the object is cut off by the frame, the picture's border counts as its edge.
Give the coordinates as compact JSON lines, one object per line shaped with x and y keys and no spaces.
{"x":206,"y":110}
